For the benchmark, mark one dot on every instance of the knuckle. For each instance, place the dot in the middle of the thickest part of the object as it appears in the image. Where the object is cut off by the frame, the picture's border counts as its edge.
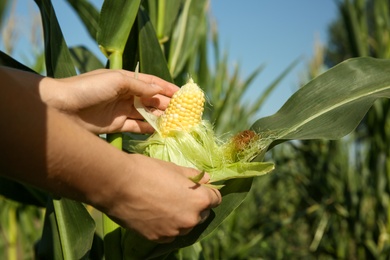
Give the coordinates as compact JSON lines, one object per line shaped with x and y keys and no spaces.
{"x":205,"y":200}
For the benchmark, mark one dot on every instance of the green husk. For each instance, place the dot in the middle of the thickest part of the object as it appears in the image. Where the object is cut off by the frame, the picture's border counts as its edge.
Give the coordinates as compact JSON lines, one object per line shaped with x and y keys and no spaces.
{"x":201,"y":149}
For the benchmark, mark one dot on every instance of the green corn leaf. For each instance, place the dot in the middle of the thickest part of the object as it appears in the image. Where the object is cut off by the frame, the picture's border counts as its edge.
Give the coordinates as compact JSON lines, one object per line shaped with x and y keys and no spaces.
{"x":167,"y":15}
{"x":130,"y":53}
{"x":84,"y":59}
{"x":163,"y":15}
{"x":6,"y":60}
{"x":88,"y":14}
{"x":135,"y":246}
{"x":151,"y":7}
{"x":331,"y":105}
{"x":22,"y":193}
{"x":116,"y":20}
{"x":184,"y":36}
{"x":356,"y":31}
{"x":68,"y":231}
{"x":58,"y":60}
{"x":152,"y":60}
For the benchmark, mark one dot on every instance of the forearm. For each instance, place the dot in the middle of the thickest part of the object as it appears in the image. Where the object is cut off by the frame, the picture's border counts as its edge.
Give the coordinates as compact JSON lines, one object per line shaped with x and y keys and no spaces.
{"x":45,"y":148}
{"x":45,"y":89}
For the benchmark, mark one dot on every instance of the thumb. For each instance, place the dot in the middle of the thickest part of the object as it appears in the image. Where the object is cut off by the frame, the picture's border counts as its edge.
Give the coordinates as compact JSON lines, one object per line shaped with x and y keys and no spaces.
{"x":197,"y":176}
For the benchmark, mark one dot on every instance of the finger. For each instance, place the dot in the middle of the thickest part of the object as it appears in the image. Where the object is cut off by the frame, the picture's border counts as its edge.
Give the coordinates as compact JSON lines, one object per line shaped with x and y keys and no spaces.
{"x":165,"y":240}
{"x":215,"y":197}
{"x":165,"y":88}
{"x":139,"y":88}
{"x":168,"y":89}
{"x":204,"y":215}
{"x":184,"y":231}
{"x":158,"y":101}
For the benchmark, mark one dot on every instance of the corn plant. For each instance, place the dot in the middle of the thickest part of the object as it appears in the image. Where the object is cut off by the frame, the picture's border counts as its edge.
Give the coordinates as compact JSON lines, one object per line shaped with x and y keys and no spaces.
{"x":129,"y":32}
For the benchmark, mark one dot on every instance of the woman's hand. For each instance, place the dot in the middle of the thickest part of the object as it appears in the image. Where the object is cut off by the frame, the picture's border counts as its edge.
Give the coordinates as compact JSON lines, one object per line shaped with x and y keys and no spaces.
{"x":102,"y":101}
{"x":159,"y":201}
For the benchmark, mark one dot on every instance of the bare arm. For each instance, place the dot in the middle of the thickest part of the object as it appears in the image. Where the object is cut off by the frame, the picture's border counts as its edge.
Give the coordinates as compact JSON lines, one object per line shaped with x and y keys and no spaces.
{"x":49,"y":150}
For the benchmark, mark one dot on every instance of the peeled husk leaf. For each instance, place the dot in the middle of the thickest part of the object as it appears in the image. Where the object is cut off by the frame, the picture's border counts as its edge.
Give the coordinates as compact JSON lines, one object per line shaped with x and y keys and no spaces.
{"x":200,"y":149}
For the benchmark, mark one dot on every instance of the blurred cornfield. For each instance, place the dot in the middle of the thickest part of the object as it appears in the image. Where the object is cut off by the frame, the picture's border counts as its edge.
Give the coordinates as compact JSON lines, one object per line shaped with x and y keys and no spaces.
{"x":325,"y":200}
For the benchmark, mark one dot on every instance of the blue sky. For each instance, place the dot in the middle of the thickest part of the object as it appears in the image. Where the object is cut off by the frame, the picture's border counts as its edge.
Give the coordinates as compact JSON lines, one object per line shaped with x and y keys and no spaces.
{"x":254,"y":32}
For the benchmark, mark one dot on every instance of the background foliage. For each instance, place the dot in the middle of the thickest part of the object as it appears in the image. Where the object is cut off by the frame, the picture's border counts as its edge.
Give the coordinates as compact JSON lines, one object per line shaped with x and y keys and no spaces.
{"x":326,"y":199}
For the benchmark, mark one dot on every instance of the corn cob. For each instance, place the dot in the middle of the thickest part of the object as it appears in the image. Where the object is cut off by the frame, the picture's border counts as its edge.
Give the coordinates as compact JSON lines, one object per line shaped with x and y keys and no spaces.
{"x":184,"y":111}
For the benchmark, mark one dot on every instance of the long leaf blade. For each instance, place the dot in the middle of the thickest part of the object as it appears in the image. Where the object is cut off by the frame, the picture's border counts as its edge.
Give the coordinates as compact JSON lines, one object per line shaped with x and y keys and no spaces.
{"x":116,"y":20}
{"x":6,"y":60}
{"x":58,"y":60}
{"x":88,"y":14}
{"x":68,"y":231}
{"x":184,"y":34}
{"x":331,"y":105}
{"x":84,"y":59}
{"x":152,"y":60}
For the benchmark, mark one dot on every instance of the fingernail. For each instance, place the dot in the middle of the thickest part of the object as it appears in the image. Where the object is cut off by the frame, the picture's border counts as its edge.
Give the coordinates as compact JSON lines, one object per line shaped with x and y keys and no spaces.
{"x":204,"y":215}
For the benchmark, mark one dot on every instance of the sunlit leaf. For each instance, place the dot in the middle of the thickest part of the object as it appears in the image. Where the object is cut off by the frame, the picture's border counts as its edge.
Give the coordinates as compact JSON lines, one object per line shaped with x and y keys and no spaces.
{"x":68,"y":231}
{"x":152,"y":60}
{"x":84,"y":59}
{"x":331,"y":105}
{"x":58,"y":60}
{"x":184,"y":36}
{"x":116,"y":19}
{"x":88,"y":14}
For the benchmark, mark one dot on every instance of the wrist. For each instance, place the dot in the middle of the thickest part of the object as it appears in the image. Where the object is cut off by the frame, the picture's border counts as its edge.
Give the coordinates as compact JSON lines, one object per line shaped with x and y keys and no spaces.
{"x":118,"y":186}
